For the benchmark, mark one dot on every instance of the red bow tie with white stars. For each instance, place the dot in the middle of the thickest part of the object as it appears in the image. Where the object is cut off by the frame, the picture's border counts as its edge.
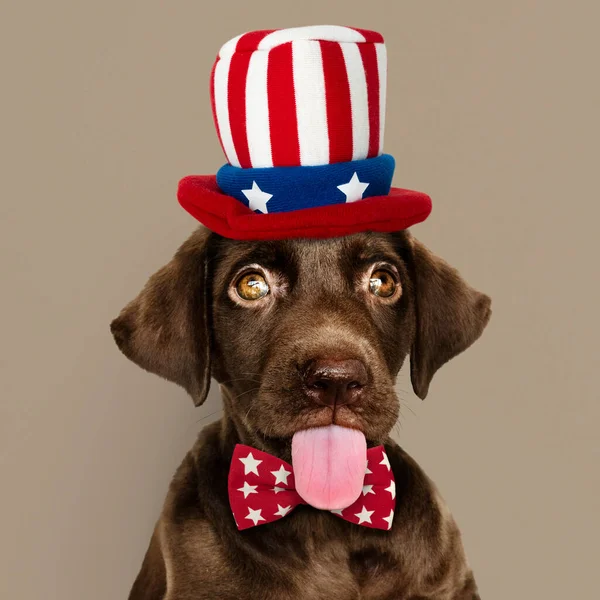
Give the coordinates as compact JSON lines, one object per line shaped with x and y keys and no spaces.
{"x":262,"y":490}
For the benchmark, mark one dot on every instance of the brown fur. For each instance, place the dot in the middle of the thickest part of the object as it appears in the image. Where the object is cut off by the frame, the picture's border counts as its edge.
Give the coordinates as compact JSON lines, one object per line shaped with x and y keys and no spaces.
{"x":187,"y":324}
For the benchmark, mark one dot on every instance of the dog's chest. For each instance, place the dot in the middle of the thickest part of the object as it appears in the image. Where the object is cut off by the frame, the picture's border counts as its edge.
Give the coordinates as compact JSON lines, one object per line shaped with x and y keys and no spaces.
{"x":337,"y":572}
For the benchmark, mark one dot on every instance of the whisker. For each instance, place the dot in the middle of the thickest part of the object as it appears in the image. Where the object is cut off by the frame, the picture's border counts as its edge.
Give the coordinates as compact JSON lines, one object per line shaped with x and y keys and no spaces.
{"x":400,"y":420}
{"x":209,"y":415}
{"x":240,"y":379}
{"x":404,"y":405}
{"x":256,"y":389}
{"x":248,"y":411}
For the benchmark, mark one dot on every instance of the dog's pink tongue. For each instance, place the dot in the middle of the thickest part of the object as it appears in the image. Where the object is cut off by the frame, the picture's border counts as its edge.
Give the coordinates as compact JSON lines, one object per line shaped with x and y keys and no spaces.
{"x":329,"y":465}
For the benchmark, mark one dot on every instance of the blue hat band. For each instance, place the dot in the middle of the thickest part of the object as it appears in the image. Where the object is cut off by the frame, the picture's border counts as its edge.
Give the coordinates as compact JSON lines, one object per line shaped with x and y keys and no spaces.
{"x":284,"y":189}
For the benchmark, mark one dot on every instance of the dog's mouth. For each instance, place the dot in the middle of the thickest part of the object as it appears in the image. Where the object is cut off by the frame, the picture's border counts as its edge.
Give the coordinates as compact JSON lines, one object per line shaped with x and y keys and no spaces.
{"x":342,"y":416}
{"x":279,"y":412}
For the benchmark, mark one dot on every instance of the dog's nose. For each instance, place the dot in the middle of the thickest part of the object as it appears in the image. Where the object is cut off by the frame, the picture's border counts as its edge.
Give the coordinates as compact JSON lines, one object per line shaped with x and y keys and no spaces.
{"x":335,"y":382}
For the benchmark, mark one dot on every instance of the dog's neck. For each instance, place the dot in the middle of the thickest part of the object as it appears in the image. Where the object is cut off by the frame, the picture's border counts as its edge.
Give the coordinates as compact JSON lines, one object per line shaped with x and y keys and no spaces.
{"x":234,"y":431}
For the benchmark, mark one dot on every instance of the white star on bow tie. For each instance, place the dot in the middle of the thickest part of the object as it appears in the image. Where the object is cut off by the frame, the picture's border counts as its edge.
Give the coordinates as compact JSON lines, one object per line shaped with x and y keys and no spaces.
{"x":250,"y":464}
{"x":364,"y":516}
{"x":391,"y":489}
{"x":389,"y":519}
{"x":354,"y":189}
{"x":254,"y":515}
{"x":281,"y":475}
{"x":385,"y":461}
{"x":248,"y":489}
{"x":283,"y":510}
{"x":257,"y":198}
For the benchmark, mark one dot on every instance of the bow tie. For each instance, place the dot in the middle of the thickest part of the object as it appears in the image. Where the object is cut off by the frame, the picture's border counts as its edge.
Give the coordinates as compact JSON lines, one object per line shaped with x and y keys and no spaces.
{"x":262,"y":490}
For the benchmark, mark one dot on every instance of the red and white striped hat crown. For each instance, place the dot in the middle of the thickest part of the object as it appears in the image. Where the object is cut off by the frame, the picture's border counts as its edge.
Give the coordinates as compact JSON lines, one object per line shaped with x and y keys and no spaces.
{"x":300,"y":116}
{"x":303,"y":96}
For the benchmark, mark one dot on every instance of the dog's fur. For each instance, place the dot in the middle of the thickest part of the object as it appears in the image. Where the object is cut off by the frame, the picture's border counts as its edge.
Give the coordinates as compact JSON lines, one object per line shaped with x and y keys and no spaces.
{"x":188,"y":324}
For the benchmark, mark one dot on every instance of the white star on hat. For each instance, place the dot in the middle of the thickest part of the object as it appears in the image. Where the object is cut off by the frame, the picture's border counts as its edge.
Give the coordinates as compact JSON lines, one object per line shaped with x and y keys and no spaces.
{"x":278,"y":489}
{"x":364,"y":516}
{"x":389,"y":519}
{"x":385,"y":461}
{"x":337,"y":511}
{"x":248,"y":489}
{"x":281,"y":475}
{"x":368,"y":489}
{"x":250,"y":464}
{"x":391,"y":489}
{"x":354,"y":189}
{"x":255,"y":516}
{"x":283,"y":510}
{"x":257,"y":198}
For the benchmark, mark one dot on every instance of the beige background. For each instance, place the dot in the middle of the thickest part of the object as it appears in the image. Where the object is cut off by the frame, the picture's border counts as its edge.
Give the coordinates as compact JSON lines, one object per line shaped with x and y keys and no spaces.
{"x":492,"y":109}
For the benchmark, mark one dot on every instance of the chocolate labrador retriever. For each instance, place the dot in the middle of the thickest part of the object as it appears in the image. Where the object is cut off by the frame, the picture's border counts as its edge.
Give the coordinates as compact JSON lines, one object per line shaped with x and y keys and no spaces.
{"x":300,"y":334}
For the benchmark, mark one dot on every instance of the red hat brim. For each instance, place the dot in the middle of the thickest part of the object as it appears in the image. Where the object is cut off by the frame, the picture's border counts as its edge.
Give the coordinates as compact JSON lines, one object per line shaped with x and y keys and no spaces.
{"x":227,"y":216}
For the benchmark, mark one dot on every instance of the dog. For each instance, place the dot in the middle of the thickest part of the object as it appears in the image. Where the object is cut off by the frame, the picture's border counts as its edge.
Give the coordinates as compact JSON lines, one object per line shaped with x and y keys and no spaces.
{"x":300,"y":333}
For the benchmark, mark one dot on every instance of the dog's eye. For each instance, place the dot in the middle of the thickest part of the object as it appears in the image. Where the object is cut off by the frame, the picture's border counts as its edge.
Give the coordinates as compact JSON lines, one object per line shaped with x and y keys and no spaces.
{"x":382,"y":283}
{"x":252,"y":286}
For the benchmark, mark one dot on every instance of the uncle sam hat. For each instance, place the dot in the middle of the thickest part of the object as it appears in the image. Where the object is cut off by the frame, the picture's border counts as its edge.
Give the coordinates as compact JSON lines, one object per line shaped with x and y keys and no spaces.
{"x":300,"y":115}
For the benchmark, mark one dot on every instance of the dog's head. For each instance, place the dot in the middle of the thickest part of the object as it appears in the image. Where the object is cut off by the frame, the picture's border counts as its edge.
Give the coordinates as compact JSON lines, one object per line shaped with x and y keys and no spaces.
{"x":302,"y":333}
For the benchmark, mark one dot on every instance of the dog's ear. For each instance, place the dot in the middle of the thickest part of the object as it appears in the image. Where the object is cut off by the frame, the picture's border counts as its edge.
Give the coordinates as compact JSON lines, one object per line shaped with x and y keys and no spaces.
{"x":450,"y":315}
{"x":165,"y":330}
